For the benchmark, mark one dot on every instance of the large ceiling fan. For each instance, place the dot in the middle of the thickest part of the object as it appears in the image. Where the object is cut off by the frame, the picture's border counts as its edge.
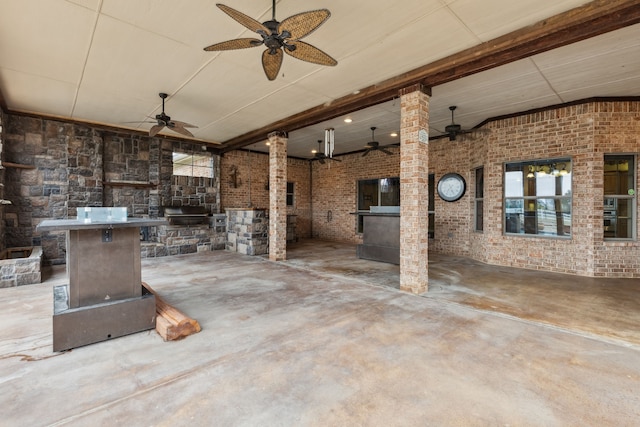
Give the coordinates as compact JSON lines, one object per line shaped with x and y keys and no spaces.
{"x":278,"y":37}
{"x":162,"y":120}
{"x":374,"y":145}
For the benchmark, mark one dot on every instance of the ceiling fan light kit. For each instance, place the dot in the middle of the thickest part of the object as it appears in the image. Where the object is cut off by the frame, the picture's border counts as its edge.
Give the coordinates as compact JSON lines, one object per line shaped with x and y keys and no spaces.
{"x":279,"y":37}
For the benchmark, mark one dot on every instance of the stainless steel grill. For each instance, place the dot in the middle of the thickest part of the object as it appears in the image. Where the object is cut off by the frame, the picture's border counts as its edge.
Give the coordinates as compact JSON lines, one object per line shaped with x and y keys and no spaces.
{"x":186,"y":215}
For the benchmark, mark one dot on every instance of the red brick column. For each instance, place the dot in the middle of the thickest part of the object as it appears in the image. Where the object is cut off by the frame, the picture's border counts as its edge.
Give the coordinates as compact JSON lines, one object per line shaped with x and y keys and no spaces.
{"x":414,"y":192}
{"x":277,"y":196}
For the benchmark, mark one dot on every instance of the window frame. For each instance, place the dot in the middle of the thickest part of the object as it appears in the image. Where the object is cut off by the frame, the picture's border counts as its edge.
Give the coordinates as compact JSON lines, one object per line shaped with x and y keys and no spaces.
{"x":194,"y":157}
{"x":536,"y":167}
{"x":375,"y":199}
{"x":478,"y":201}
{"x":291,"y":194}
{"x":616,"y":197}
{"x":431,"y":206}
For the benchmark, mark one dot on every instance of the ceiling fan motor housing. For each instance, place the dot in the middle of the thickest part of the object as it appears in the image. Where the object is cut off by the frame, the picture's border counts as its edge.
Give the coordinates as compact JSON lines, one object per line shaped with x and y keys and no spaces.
{"x":453,"y":128}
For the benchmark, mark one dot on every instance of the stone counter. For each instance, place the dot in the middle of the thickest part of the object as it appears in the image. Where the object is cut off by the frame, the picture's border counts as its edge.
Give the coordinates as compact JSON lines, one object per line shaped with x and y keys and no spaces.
{"x":247,"y":231}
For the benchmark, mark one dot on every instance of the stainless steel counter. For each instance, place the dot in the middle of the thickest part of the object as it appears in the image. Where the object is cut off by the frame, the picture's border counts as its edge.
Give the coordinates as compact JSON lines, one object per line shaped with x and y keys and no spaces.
{"x":104,"y":298}
{"x":380,"y":237}
{"x":75,"y":224}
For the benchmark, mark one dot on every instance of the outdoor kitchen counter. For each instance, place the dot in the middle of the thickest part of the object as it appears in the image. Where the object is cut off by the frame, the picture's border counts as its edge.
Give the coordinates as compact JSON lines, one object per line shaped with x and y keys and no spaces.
{"x":104,"y":298}
{"x":75,"y":224}
{"x":380,"y":237}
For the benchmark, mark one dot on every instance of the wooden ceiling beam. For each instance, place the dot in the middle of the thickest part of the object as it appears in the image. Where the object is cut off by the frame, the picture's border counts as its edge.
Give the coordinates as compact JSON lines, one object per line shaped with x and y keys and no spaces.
{"x":593,"y":19}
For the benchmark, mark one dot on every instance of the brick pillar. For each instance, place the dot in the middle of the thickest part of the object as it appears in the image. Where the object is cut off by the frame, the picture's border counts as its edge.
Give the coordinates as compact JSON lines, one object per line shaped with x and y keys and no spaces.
{"x":277,"y":196}
{"x":414,"y":192}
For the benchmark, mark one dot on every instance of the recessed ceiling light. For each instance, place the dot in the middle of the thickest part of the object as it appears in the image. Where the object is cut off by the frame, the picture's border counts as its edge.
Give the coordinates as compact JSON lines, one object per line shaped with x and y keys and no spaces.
{"x":394,"y":134}
{"x":267,"y":143}
{"x":348,"y":120}
{"x":314,"y":151}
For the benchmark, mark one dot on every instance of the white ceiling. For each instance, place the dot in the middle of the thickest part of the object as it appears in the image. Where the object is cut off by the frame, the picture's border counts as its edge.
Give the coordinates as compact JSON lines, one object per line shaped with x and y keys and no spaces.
{"x":105,"y":61}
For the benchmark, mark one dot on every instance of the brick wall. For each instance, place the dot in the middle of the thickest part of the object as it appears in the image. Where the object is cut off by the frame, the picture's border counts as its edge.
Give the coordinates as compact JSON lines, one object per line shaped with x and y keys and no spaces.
{"x":69,"y":167}
{"x":240,"y":167}
{"x":564,"y":132}
{"x":584,"y":132}
{"x":616,"y":129}
{"x":335,"y":191}
{"x":453,"y":220}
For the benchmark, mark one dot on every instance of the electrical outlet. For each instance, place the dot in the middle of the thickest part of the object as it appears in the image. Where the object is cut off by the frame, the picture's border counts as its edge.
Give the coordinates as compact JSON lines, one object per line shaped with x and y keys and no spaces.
{"x":107,"y":235}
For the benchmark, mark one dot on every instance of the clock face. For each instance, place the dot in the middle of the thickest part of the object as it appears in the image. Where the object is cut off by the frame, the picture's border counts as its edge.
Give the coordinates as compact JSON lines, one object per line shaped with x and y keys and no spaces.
{"x":451,"y":187}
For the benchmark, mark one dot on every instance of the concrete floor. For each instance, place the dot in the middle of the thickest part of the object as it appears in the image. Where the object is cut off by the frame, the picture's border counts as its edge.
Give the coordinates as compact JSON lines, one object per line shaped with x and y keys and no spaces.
{"x":332,"y":343}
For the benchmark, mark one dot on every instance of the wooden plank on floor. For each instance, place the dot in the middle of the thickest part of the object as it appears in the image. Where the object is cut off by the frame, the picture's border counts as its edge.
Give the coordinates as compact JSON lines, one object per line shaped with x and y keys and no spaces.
{"x":171,"y":323}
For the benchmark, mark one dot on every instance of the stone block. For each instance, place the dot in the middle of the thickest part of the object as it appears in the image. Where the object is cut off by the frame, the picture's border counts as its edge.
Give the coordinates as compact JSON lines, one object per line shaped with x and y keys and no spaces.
{"x":188,"y":249}
{"x":7,"y":271}
{"x":204,"y":247}
{"x":28,"y":278}
{"x":260,"y":249}
{"x":7,"y":283}
{"x":161,"y":250}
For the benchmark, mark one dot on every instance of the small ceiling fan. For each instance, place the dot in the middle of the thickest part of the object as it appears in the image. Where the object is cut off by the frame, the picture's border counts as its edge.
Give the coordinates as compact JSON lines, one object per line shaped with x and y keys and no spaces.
{"x":374,"y":145}
{"x":278,"y":37}
{"x":453,"y":130}
{"x":321,"y":157}
{"x":162,"y":120}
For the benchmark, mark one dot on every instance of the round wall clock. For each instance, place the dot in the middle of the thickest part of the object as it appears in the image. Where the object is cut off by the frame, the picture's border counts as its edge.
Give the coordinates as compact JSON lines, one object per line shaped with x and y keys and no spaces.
{"x":451,"y":187}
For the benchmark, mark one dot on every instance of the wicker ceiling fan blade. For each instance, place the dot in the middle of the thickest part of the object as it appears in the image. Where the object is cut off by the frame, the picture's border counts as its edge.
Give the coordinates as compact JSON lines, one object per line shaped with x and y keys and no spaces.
{"x":367,"y":151}
{"x":234,"y":44}
{"x":184,"y":124}
{"x":155,"y":129}
{"x":303,"y":24}
{"x":271,"y":62}
{"x":243,"y":19}
{"x":385,"y":151}
{"x":309,"y":53}
{"x":177,"y":127}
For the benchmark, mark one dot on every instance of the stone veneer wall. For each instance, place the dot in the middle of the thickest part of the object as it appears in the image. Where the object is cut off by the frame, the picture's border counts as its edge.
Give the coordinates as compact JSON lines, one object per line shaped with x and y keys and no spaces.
{"x":2,"y":207}
{"x":21,"y":271}
{"x":253,"y":167}
{"x":188,"y":190}
{"x":187,"y":239}
{"x":247,"y":231}
{"x":126,"y":159}
{"x":77,"y":165}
